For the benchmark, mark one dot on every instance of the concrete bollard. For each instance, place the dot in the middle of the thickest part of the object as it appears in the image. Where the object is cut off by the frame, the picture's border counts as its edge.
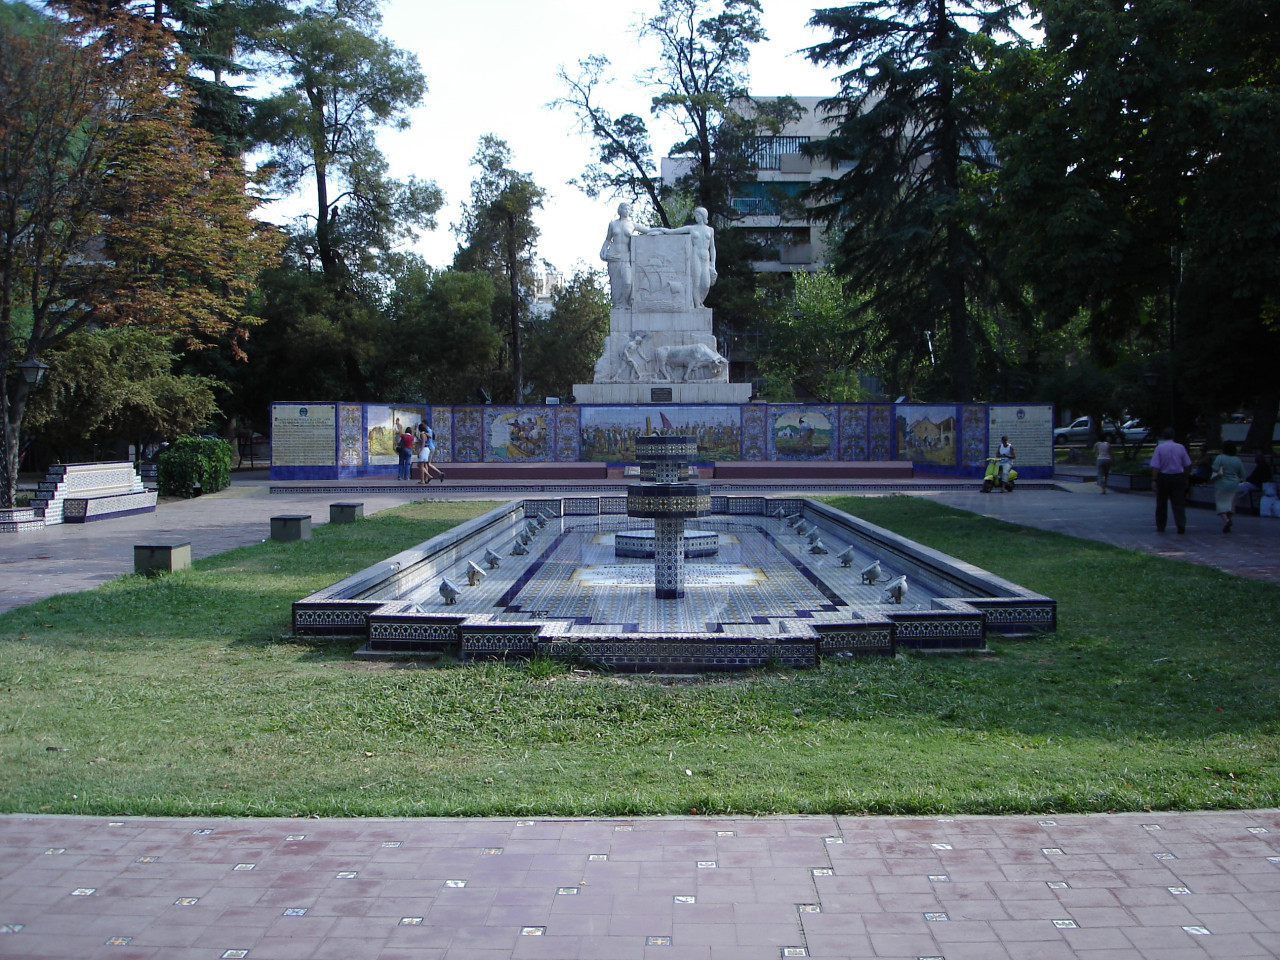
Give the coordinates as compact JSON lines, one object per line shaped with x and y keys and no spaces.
{"x":153,"y":559}
{"x":291,"y":527}
{"x":346,"y":512}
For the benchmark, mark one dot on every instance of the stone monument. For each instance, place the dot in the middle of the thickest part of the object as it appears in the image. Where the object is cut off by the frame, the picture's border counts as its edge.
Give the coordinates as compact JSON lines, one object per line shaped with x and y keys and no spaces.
{"x":660,"y":347}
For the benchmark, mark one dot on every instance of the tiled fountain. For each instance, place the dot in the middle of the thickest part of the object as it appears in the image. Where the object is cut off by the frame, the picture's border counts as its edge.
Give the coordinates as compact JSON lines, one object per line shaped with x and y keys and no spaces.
{"x":762,"y":581}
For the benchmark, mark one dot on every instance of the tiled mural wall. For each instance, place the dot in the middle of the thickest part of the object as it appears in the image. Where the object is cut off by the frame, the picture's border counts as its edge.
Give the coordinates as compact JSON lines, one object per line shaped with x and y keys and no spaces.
{"x":943,"y":439}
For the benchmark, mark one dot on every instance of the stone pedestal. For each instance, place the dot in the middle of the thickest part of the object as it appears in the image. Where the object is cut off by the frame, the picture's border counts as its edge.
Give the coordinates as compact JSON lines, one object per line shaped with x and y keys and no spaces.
{"x":638,"y":393}
{"x":660,"y":347}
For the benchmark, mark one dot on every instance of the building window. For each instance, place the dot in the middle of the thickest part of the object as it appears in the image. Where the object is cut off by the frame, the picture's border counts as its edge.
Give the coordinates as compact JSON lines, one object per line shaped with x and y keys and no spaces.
{"x":760,"y":198}
{"x":768,"y":151}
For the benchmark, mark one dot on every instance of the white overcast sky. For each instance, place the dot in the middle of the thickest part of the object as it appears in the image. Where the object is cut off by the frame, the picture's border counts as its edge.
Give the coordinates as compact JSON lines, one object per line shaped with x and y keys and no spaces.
{"x":491,"y":67}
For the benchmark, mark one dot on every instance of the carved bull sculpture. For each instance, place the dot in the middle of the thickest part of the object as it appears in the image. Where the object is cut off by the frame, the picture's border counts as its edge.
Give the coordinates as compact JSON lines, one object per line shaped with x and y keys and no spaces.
{"x":690,"y":359}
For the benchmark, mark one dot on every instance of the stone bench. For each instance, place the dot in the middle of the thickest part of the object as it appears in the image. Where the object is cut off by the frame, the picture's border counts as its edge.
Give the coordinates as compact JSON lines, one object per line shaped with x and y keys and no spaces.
{"x":85,"y":492}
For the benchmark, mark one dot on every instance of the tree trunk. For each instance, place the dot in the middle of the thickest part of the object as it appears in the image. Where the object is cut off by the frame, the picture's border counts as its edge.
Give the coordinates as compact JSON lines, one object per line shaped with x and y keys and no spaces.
{"x":1264,"y":422}
{"x":513,"y":283}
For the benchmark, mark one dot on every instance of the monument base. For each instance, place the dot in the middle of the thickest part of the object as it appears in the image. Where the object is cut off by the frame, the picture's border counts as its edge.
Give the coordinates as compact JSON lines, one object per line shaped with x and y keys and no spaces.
{"x":641,"y":393}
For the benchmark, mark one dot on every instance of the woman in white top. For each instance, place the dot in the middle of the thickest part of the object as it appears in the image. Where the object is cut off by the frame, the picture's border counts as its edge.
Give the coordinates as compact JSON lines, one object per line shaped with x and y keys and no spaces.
{"x":1102,"y":457}
{"x":427,"y":439}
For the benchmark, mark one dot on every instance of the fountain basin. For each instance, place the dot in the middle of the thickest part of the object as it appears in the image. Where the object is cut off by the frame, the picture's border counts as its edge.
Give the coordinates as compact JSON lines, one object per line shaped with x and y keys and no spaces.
{"x":767,"y":598}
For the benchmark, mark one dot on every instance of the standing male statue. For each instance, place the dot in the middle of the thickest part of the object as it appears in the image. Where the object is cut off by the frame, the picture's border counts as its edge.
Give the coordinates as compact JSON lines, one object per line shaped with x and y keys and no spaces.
{"x":616,"y":252}
{"x":704,"y":253}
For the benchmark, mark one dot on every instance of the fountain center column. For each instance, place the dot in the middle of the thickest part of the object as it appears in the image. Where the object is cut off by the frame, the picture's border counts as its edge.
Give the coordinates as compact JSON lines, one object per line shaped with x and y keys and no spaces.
{"x":669,"y":500}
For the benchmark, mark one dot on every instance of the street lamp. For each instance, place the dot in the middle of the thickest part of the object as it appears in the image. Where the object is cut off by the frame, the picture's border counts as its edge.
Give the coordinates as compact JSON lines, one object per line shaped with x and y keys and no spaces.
{"x":33,"y":371}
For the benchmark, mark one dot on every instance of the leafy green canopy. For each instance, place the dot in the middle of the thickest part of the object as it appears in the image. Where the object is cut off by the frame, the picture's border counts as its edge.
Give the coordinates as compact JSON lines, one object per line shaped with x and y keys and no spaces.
{"x":1138,"y":146}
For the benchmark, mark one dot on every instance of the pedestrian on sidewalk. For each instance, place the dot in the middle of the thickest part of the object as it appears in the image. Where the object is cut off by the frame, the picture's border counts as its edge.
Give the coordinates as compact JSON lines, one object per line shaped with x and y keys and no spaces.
{"x":1169,"y":466}
{"x":1102,"y":457}
{"x":1228,"y":471}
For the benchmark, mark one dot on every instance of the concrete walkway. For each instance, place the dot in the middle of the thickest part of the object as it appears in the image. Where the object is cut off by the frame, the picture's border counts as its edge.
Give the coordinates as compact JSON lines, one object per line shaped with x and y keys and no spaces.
{"x":1152,"y":886}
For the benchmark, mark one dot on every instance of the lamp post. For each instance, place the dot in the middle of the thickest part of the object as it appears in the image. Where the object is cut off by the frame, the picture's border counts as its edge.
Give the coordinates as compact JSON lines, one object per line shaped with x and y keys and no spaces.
{"x":32,"y":371}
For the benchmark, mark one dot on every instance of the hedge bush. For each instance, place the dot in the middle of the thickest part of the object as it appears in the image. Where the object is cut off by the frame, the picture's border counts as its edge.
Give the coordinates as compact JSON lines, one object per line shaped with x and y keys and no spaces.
{"x":194,"y":460}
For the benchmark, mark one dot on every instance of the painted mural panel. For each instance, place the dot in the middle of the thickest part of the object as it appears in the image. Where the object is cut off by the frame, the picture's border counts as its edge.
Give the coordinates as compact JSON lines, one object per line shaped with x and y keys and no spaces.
{"x":927,"y":434}
{"x":609,"y":433}
{"x":382,"y":425}
{"x":801,"y":433}
{"x":516,"y":434}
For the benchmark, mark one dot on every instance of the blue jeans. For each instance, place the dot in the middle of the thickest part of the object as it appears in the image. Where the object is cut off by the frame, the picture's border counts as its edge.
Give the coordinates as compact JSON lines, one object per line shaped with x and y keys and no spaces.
{"x":403,"y":473}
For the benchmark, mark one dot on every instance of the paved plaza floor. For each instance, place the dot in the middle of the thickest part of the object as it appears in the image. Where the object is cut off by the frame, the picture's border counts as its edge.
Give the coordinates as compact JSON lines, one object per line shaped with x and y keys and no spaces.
{"x":1153,"y":886}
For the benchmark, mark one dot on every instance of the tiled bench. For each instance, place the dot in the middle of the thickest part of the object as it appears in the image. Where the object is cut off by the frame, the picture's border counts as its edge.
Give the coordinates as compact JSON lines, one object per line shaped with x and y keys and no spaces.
{"x":85,"y":492}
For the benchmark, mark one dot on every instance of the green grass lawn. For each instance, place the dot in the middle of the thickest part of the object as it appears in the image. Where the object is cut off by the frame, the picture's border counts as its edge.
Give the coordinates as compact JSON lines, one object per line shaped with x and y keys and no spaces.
{"x":186,"y":695}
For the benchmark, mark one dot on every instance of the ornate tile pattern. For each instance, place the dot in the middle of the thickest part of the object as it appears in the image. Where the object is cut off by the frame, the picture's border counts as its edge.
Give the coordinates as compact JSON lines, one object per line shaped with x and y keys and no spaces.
{"x":351,"y":435}
{"x":442,"y":424}
{"x":567,"y":433}
{"x":755,"y":428}
{"x":973,"y":435}
{"x":468,"y":434}
{"x":571,"y":593}
{"x":880,"y":432}
{"x":853,"y":431}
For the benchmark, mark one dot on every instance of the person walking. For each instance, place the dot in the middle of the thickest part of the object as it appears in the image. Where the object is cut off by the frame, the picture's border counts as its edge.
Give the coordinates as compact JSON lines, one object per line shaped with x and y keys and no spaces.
{"x":1102,"y":458}
{"x":427,"y":439}
{"x":1228,"y":472}
{"x":1169,"y":466}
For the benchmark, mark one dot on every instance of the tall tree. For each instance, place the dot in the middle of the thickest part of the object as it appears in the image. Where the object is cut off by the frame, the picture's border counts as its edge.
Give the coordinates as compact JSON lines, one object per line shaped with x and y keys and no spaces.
{"x":700,"y":83}
{"x":1139,"y":146}
{"x":909,"y":136}
{"x":497,"y":235}
{"x":114,"y":208}
{"x":343,"y":82}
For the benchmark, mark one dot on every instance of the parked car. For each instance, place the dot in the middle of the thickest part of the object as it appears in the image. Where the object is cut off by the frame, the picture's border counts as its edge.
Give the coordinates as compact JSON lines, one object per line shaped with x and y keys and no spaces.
{"x":1135,"y":431}
{"x":1079,"y":431}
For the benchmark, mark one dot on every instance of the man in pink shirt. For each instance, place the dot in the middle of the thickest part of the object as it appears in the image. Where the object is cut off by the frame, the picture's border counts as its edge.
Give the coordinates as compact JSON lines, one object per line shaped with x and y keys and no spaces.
{"x":1169,"y":466}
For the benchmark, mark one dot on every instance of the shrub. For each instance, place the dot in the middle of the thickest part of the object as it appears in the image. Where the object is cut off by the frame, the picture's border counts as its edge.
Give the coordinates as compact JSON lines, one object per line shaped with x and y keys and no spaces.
{"x":194,"y":460}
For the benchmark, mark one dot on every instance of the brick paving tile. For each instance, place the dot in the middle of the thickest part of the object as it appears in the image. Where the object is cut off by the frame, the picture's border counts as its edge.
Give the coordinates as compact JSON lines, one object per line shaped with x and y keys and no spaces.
{"x":916,"y":944}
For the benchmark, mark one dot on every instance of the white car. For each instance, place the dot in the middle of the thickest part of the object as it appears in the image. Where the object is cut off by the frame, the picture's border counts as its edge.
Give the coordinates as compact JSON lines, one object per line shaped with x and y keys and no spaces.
{"x":1079,"y":431}
{"x":1135,"y":431}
